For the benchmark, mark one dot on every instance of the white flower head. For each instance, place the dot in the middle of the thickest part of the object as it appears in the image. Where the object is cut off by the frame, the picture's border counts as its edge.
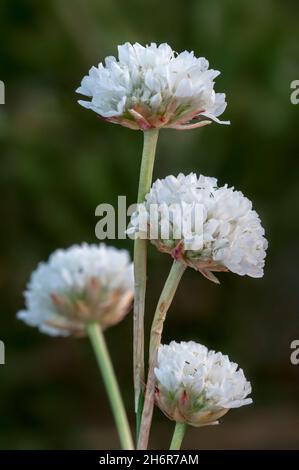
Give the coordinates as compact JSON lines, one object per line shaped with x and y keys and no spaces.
{"x":197,"y":386}
{"x":151,"y":86}
{"x":207,"y":227}
{"x":82,"y":283}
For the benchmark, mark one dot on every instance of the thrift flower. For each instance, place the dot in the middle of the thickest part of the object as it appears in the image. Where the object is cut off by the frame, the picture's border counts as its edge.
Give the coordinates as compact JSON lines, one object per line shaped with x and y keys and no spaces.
{"x":197,"y":386}
{"x":151,"y":86}
{"x":207,"y":227}
{"x":77,"y":285}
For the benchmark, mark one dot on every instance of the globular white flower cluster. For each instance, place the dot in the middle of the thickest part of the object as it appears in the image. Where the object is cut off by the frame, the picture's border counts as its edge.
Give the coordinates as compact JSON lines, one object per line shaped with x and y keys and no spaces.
{"x":82,"y":283}
{"x":198,"y":386}
{"x":225,"y":234}
{"x":152,"y":87}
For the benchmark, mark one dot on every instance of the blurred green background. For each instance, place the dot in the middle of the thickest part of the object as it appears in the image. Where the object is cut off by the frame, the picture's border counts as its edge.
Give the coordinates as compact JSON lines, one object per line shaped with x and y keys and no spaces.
{"x":58,"y":162}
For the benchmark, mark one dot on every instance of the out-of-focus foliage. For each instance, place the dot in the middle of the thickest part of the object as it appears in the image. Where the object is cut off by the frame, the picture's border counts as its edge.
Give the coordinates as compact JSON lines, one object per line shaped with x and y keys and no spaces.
{"x":59,"y":161}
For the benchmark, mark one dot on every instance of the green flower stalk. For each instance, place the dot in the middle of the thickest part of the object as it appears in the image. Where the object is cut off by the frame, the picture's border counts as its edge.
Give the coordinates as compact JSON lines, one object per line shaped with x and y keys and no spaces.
{"x":103,"y":358}
{"x":178,"y":436}
{"x":140,"y":261}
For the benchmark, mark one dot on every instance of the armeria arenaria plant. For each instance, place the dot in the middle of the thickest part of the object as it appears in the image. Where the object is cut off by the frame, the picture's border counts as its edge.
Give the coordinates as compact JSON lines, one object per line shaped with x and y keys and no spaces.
{"x":85,"y":289}
{"x":149,"y":88}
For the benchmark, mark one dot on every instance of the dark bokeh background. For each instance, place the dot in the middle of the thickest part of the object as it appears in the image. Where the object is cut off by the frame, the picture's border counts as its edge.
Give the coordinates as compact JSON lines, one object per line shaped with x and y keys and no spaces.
{"x":58,"y":162}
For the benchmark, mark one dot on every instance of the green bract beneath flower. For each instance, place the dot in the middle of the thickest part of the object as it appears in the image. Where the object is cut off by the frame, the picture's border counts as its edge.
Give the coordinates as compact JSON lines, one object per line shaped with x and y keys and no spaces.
{"x":153,"y":87}
{"x":197,"y":386}
{"x":83,"y":283}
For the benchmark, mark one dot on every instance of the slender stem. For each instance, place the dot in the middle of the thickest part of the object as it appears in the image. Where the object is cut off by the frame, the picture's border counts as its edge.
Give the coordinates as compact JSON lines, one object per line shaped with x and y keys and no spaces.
{"x":140,"y":249}
{"x":150,"y":139}
{"x":103,"y":358}
{"x":178,"y":436}
{"x":164,"y":303}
